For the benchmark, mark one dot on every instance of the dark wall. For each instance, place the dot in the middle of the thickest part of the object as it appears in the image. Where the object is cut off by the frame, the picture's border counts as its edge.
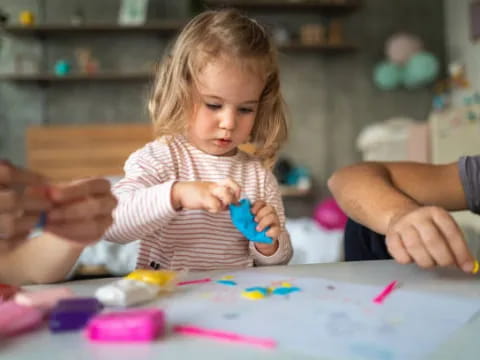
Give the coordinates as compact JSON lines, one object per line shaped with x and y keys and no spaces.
{"x":331,"y":98}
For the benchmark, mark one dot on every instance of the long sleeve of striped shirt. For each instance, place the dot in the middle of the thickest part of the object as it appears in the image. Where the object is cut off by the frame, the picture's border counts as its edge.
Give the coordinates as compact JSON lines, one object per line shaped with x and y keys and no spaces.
{"x":143,"y":197}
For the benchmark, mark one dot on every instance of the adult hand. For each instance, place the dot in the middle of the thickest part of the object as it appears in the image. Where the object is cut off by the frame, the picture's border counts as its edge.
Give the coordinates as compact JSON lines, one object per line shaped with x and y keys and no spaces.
{"x":23,"y":197}
{"x":82,"y":210}
{"x":428,"y":236}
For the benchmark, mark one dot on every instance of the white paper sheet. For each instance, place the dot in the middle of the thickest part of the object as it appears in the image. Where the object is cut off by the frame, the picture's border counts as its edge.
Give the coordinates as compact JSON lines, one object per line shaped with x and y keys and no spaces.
{"x":326,"y":318}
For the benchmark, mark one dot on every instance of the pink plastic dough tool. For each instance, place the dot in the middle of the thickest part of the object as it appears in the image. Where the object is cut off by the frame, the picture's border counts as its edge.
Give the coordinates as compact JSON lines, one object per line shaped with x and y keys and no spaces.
{"x":225,"y":336}
{"x":385,"y":292}
{"x":191,"y":282}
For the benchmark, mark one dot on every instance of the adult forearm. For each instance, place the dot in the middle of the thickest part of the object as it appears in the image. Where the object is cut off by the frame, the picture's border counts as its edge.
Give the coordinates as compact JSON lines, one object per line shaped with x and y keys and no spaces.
{"x":374,"y":193}
{"x":42,"y":259}
{"x":367,"y":194}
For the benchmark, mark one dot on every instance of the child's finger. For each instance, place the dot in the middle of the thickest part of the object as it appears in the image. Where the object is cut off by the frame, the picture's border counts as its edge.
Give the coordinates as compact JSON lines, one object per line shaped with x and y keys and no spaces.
{"x":269,"y":220}
{"x":79,"y":190}
{"x":225,"y":194}
{"x":273,"y":232}
{"x":263,"y":212}
{"x":233,"y":186}
{"x":213,"y":204}
{"x":257,"y":206}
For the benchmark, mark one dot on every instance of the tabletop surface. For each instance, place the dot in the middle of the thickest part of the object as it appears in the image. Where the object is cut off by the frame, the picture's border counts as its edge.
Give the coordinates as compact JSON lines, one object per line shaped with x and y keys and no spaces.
{"x":464,"y":344}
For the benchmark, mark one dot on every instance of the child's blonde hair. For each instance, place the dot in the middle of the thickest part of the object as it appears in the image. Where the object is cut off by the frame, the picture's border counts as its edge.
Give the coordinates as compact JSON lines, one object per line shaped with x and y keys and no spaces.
{"x":208,"y":36}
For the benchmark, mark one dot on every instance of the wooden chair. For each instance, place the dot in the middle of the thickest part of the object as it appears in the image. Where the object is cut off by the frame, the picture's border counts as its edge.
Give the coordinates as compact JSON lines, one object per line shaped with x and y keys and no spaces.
{"x":66,"y":153}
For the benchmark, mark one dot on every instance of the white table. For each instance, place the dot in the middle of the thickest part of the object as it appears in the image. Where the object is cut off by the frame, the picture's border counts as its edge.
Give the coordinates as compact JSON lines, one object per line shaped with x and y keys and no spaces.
{"x":41,"y":345}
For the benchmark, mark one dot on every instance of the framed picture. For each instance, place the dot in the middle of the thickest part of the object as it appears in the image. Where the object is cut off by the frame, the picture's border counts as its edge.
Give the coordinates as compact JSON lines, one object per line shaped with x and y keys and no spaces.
{"x":475,"y":20}
{"x":133,"y":12}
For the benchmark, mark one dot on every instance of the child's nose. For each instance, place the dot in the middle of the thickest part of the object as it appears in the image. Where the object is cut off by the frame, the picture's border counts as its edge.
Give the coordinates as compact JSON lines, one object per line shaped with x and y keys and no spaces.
{"x":228,"y":120}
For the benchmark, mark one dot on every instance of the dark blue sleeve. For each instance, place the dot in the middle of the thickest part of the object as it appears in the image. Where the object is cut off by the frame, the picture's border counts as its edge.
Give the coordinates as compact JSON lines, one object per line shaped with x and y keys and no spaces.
{"x":469,"y":167}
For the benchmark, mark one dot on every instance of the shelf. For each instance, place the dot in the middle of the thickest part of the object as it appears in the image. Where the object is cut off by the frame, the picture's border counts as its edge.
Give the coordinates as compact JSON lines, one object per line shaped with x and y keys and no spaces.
{"x":104,"y":76}
{"x":44,"y":29}
{"x":333,"y":7}
{"x":291,"y":191}
{"x":331,"y":49}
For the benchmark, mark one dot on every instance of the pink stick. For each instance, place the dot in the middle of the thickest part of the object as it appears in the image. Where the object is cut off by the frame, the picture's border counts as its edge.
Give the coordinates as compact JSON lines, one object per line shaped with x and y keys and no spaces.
{"x":190,"y":282}
{"x":385,"y":292}
{"x":225,"y":336}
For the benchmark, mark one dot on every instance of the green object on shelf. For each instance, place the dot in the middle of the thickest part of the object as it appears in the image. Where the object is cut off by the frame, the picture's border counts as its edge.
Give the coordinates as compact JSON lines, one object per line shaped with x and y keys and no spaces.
{"x":422,"y":69}
{"x":62,"y":68}
{"x":387,"y":75}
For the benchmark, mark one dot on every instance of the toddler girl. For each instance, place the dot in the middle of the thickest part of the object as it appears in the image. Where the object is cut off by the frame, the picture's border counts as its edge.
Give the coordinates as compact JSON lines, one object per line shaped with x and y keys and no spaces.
{"x":219,"y":88}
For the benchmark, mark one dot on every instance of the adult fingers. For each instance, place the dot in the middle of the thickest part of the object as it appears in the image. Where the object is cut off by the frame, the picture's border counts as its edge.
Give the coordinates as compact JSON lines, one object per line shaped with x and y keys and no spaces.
{"x":29,"y":200}
{"x":84,"y":209}
{"x":435,"y":243}
{"x":84,"y":231}
{"x":13,"y":243}
{"x":12,"y":226}
{"x":79,"y":189}
{"x":455,"y":241}
{"x":9,"y":201}
{"x":396,"y":249}
{"x":13,"y":176}
{"x":415,"y":247}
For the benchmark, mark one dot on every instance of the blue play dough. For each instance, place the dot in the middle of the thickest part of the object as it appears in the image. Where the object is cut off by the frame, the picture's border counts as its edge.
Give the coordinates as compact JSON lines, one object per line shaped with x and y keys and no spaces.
{"x":226,"y":282}
{"x":243,"y":220}
{"x":285,"y":290}
{"x":263,"y":290}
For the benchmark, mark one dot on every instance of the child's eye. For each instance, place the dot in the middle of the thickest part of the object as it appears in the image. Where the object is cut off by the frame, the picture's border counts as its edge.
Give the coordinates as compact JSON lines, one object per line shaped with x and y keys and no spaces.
{"x":213,"y":106}
{"x":245,"y":110}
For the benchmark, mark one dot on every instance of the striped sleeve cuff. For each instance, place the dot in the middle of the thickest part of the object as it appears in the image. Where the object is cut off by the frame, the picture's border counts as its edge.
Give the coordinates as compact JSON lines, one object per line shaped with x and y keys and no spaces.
{"x":281,"y":257}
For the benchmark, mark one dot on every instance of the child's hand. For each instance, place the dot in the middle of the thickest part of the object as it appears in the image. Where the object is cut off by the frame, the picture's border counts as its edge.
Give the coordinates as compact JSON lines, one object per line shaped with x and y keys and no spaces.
{"x":428,"y":236}
{"x":206,"y":195}
{"x":22,"y":199}
{"x":82,"y":210}
{"x":266,"y":216}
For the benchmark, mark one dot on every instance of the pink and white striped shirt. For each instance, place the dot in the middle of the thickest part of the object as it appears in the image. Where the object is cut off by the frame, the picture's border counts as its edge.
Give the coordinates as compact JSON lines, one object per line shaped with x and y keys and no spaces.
{"x":190,"y":239}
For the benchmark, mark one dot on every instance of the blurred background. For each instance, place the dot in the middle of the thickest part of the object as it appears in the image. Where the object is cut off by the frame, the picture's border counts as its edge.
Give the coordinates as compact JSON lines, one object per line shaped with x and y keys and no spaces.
{"x":363,"y":79}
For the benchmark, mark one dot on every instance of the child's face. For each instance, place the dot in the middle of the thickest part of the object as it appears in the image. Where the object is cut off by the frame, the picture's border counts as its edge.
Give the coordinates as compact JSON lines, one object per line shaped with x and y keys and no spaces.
{"x":225,"y":107}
